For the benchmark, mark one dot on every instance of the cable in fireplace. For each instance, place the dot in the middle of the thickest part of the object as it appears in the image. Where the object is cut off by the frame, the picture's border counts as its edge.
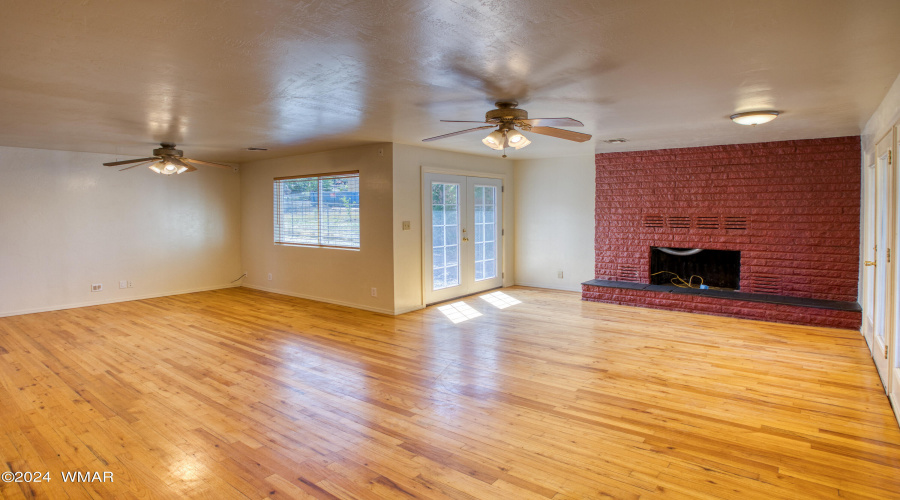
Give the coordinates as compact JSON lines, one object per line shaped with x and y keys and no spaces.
{"x":686,"y":284}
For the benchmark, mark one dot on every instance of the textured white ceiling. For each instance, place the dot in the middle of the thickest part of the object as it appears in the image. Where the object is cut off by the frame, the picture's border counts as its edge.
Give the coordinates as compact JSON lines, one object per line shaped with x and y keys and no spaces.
{"x":218,"y":76}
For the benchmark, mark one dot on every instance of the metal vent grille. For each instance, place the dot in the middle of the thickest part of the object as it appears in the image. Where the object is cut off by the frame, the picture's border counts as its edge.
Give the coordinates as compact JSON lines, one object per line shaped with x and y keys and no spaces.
{"x":707,"y":222}
{"x":679,"y":222}
{"x":736,"y":222}
{"x":628,"y":273}
{"x":765,"y":283}
{"x":654,"y":221}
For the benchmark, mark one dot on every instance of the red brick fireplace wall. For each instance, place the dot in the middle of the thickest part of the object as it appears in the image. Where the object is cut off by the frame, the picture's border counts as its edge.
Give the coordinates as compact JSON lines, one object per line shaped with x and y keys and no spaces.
{"x":791,"y":208}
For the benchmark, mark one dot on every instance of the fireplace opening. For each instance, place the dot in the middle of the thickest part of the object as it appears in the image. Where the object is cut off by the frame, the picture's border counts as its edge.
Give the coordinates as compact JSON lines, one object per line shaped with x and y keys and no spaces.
{"x":718,"y":269}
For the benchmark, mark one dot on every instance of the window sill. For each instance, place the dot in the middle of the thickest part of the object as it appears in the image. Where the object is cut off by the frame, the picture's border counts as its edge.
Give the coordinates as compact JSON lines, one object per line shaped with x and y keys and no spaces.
{"x":303,"y":245}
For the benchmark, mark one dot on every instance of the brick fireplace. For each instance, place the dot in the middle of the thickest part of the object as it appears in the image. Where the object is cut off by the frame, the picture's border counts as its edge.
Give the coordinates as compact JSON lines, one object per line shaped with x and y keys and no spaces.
{"x":791,"y":209}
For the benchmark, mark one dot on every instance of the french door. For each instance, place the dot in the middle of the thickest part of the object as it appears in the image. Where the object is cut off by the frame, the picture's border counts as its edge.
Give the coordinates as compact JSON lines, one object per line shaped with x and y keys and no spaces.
{"x":889,"y":362}
{"x":462,"y":232}
{"x":869,"y":210}
{"x":883,"y":293}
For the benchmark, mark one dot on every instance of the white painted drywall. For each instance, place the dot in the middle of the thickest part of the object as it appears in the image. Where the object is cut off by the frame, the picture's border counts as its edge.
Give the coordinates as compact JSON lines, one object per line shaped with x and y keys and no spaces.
{"x":885,"y":116}
{"x":332,"y":275}
{"x":555,"y":222}
{"x":66,"y":222}
{"x":408,"y":163}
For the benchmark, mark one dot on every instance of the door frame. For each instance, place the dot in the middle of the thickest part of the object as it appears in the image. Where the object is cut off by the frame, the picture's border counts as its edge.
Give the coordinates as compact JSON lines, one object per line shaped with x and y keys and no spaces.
{"x":506,"y":210}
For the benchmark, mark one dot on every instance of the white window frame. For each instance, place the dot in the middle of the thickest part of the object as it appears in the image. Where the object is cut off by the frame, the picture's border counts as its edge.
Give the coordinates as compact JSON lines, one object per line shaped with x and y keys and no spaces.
{"x":278,"y":210}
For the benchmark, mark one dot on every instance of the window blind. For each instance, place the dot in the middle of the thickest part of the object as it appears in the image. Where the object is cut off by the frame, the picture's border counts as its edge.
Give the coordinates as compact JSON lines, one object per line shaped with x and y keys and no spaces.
{"x":317,"y":210}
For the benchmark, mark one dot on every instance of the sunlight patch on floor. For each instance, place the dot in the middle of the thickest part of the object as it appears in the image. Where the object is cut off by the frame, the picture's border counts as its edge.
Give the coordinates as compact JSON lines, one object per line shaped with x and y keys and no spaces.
{"x":458,"y":312}
{"x":500,"y":300}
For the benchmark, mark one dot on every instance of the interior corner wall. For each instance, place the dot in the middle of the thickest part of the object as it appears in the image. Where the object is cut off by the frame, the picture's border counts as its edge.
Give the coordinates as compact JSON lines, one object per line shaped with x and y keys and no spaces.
{"x":886,"y":116}
{"x":555,"y":222}
{"x":408,"y":163}
{"x":338,"y":276}
{"x":68,"y":222}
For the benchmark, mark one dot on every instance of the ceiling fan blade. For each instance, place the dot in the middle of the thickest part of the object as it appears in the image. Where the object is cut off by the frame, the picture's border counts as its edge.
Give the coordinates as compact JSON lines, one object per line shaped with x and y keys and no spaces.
{"x":463,"y":121}
{"x":562,"y":134}
{"x":553,"y":122}
{"x":125,"y":162}
{"x":451,"y":134}
{"x":136,"y":165}
{"x":210,"y":164}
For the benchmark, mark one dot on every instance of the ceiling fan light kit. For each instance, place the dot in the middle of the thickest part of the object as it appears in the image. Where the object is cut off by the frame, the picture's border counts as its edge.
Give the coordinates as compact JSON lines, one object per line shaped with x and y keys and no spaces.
{"x":507,"y":118}
{"x":755,"y":117}
{"x":516,"y":139}
{"x":495,"y":140}
{"x":167,"y":160}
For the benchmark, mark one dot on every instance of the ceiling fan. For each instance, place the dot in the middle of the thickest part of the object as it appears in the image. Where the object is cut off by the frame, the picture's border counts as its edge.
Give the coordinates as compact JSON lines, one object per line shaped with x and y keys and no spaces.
{"x":167,"y":160}
{"x":507,"y":118}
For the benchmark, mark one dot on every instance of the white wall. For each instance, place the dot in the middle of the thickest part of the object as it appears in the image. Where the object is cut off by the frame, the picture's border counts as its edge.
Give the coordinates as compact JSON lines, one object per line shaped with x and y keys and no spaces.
{"x":555,"y":222}
{"x":66,"y":222}
{"x":408,"y":163}
{"x":885,"y":116}
{"x":326,"y":274}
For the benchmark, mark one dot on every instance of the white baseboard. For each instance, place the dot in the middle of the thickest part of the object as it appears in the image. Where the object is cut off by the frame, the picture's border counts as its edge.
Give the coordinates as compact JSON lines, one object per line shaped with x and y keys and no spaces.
{"x":322,"y":299}
{"x":895,"y":405}
{"x":60,"y":307}
{"x":551,"y":287}
{"x":405,"y":310}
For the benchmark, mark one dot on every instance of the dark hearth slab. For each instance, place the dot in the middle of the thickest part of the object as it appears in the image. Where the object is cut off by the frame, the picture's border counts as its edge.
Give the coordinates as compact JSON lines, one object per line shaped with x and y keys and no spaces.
{"x":837,"y":305}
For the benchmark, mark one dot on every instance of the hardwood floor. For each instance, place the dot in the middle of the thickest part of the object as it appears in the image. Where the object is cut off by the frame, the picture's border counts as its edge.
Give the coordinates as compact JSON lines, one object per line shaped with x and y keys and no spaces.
{"x":245,"y":394}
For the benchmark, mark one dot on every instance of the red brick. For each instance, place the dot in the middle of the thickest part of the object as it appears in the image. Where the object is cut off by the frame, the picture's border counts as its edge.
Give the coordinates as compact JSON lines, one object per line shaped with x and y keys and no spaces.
{"x":801,"y":198}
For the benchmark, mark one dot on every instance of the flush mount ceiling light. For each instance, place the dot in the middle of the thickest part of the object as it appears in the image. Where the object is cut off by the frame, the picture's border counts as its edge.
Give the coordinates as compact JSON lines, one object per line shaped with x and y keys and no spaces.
{"x":167,"y":160}
{"x":507,"y":117}
{"x":755,"y":117}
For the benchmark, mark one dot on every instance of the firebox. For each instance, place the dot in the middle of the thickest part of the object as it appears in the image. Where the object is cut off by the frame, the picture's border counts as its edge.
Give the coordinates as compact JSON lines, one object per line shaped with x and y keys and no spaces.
{"x":712,"y":268}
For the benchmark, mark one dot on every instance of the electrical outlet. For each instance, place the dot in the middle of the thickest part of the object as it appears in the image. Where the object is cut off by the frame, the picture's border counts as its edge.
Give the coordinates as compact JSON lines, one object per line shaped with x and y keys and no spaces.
{"x":374,"y":292}
{"x":559,"y":274}
{"x":130,"y":284}
{"x":97,"y":287}
{"x":406,"y":225}
{"x":123,"y":284}
{"x":270,"y":276}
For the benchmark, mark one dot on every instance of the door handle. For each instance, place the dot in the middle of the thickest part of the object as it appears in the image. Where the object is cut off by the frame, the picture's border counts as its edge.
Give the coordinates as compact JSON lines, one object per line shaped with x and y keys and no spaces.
{"x":870,"y":263}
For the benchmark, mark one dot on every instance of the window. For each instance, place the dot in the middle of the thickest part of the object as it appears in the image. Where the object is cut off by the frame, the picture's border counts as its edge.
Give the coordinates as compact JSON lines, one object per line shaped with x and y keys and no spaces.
{"x":317,"y":210}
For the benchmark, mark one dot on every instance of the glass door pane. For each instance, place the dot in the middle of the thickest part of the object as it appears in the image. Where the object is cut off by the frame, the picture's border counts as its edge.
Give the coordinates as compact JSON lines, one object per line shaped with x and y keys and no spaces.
{"x":485,"y":232}
{"x":460,"y":255}
{"x":445,"y":234}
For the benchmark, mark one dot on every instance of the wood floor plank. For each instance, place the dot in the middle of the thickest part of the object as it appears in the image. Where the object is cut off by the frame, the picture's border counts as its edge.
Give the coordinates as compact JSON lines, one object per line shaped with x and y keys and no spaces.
{"x":238,"y":393}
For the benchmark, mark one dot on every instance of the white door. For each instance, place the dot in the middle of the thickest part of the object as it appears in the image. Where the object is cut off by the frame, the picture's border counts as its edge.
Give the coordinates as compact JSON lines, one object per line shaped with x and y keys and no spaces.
{"x":884,"y":234}
{"x":893,"y":340}
{"x":462,"y":233}
{"x":868,"y":326}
